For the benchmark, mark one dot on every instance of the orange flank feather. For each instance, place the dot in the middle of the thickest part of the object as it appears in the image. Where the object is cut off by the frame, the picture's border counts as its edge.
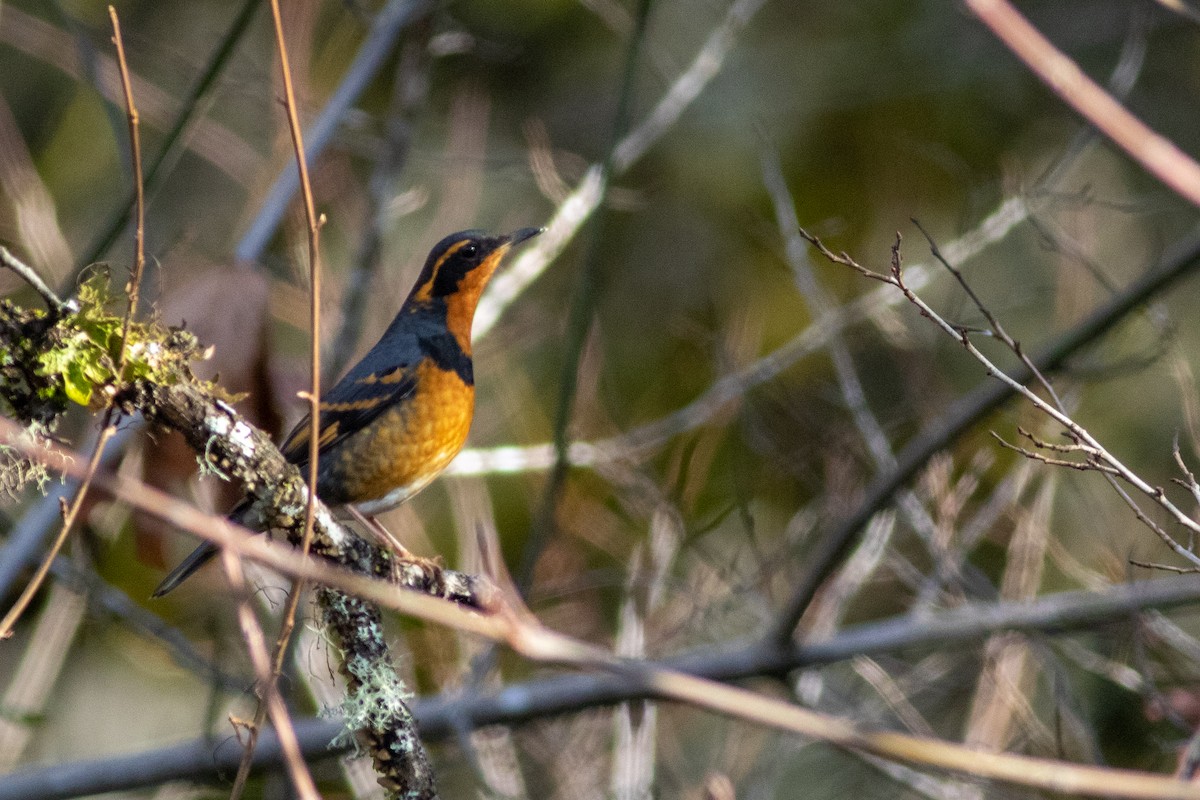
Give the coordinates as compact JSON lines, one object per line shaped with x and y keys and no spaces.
{"x":414,"y":441}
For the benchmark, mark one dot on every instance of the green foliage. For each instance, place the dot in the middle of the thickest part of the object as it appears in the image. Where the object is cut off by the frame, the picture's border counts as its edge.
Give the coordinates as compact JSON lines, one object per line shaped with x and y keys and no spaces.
{"x":88,"y":348}
{"x":49,"y":364}
{"x":88,"y":345}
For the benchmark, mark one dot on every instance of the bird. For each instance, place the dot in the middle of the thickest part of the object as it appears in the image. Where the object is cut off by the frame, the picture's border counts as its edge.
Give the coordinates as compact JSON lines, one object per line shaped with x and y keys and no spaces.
{"x":400,"y":415}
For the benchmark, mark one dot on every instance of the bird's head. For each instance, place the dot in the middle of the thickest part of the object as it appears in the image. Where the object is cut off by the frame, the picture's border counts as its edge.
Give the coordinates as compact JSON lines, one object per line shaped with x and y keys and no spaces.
{"x":458,"y":268}
{"x":460,"y":265}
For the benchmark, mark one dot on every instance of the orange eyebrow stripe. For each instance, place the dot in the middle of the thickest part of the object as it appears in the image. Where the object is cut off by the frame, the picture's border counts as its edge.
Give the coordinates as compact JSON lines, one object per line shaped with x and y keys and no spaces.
{"x":451,"y":250}
{"x":425,"y":290}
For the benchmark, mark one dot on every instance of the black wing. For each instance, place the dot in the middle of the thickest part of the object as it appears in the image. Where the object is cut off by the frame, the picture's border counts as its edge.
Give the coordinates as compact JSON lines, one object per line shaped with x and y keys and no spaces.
{"x":385,"y":376}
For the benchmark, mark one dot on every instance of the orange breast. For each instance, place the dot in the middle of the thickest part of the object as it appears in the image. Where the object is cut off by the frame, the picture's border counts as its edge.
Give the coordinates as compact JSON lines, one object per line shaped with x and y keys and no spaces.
{"x":406,"y":447}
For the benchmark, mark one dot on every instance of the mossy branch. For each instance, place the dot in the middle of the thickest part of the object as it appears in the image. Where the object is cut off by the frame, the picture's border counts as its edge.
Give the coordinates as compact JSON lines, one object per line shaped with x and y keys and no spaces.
{"x":49,"y":363}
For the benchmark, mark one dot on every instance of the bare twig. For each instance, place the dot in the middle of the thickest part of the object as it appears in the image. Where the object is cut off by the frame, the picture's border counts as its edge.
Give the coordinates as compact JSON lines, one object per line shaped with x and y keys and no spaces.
{"x":271,"y":701}
{"x":1189,"y":480}
{"x":1157,"y":154}
{"x":269,"y":695}
{"x":371,"y":55}
{"x":1178,"y":261}
{"x":10,"y":619}
{"x":7,"y":259}
{"x":31,"y":588}
{"x":588,"y":195}
{"x":139,"y":237}
{"x":1056,"y":447}
{"x":1077,"y":432}
{"x":1090,"y":465}
{"x":1164,"y":567}
{"x":997,"y":329}
{"x":972,"y":408}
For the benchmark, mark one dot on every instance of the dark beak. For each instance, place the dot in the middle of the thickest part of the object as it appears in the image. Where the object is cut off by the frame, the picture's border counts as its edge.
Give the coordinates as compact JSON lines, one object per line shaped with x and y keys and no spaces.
{"x":516,"y":237}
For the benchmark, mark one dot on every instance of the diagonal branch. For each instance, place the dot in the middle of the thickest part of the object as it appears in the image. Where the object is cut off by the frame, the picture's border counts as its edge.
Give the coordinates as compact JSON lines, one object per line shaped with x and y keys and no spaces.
{"x":522,"y":633}
{"x":1178,"y":261}
{"x":1158,"y":155}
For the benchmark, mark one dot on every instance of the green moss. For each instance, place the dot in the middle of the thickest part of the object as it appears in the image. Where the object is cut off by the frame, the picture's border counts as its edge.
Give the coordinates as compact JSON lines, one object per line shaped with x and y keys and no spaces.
{"x":51,"y":363}
{"x":86,"y":348}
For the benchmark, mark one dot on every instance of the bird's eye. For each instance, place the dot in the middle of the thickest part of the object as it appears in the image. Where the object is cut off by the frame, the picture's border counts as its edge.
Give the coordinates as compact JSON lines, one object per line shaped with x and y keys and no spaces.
{"x":470,"y":250}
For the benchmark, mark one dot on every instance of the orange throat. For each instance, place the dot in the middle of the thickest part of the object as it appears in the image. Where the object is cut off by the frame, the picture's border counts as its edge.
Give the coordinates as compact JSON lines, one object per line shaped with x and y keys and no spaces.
{"x":460,"y":306}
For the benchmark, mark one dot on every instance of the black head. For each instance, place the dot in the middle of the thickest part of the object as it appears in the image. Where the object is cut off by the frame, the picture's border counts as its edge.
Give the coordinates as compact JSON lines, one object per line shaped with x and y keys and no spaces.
{"x":460,"y":254}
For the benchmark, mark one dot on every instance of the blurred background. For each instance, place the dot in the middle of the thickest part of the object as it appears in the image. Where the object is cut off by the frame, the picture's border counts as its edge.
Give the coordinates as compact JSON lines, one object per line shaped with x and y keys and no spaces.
{"x":738,"y":401}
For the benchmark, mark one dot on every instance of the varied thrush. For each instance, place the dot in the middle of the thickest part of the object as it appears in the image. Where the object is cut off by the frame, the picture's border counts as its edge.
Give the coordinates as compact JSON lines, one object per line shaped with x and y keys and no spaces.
{"x":400,"y":415}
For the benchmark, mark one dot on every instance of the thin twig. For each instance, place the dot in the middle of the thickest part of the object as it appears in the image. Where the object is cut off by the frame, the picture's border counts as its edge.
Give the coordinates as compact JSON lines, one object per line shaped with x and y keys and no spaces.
{"x":371,"y":55}
{"x":1189,"y":480}
{"x":1165,"y":567}
{"x":31,"y":588}
{"x":139,"y":237}
{"x":1076,"y":431}
{"x":1177,"y":262}
{"x":7,"y":259}
{"x":274,"y":668}
{"x":1083,"y":466}
{"x":1114,"y":469}
{"x":268,"y":687}
{"x":997,"y":329}
{"x":531,"y":640}
{"x":1056,"y":447}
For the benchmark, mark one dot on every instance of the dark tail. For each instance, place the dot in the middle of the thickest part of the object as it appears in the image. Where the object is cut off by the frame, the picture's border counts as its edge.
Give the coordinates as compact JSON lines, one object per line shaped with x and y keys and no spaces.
{"x":199,"y":557}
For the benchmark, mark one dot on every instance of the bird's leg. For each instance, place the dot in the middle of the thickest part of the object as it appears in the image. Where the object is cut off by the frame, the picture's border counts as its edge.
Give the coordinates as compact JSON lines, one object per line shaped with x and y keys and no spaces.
{"x":430,"y":572}
{"x":382,"y":534}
